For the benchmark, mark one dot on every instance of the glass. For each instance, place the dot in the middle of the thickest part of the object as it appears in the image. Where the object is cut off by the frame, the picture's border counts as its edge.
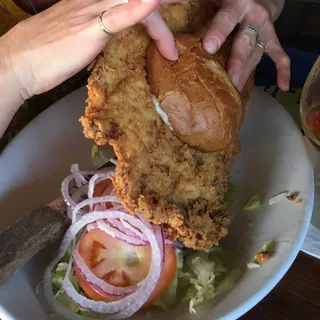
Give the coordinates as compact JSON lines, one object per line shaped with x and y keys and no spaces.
{"x":310,"y":120}
{"x":310,"y":105}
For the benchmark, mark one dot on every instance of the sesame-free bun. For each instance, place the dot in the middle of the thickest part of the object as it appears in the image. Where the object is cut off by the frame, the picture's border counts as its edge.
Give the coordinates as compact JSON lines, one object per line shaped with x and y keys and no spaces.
{"x":204,"y":108}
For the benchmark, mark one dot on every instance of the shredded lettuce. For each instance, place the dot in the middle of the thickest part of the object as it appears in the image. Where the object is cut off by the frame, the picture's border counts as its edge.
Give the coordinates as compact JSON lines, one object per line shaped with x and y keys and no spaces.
{"x":94,"y":151}
{"x":229,"y":281}
{"x":270,"y":246}
{"x":58,"y":275}
{"x":253,"y":203}
{"x":207,"y":276}
{"x":202,"y":279}
{"x":100,"y":154}
{"x":38,"y":287}
{"x":277,"y":198}
{"x":230,"y":195}
{"x":200,"y":276}
{"x":250,"y":223}
{"x":253,"y":265}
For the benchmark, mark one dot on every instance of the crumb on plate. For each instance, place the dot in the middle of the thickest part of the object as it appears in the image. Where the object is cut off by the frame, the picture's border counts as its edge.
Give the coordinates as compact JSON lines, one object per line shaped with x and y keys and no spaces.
{"x":292,"y":196}
{"x":262,"y":256}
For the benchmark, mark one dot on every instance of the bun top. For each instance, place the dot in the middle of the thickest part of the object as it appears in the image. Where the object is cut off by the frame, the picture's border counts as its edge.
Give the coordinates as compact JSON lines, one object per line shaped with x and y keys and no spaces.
{"x":203,"y":107}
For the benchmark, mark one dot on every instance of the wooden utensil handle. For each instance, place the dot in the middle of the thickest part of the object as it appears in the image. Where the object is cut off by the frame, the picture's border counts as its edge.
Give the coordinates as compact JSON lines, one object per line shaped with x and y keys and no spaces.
{"x":31,"y":233}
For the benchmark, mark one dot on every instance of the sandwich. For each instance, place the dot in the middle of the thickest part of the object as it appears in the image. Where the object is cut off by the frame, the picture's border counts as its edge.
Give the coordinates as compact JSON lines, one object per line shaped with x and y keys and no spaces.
{"x":146,"y":232}
{"x":177,"y":178}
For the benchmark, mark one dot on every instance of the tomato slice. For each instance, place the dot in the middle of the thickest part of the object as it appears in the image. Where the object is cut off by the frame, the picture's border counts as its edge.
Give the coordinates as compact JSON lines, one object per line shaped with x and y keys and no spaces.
{"x":121,"y":265}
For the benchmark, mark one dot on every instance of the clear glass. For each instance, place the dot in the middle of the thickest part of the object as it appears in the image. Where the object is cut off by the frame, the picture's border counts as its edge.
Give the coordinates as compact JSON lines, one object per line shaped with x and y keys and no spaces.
{"x":310,"y":105}
{"x":310,"y":119}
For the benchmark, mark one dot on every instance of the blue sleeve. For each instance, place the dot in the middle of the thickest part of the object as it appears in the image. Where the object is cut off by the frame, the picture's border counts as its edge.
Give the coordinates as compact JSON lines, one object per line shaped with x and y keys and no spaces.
{"x":301,"y":64}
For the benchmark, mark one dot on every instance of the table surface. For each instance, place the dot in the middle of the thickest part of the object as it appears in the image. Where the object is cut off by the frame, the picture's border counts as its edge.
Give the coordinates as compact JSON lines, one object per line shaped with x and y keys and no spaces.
{"x":297,"y":295}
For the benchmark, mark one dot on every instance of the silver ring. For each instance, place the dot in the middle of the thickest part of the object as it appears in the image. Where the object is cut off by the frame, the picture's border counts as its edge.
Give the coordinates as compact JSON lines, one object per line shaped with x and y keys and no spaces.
{"x":260,"y":44}
{"x":244,"y":26}
{"x":102,"y":26}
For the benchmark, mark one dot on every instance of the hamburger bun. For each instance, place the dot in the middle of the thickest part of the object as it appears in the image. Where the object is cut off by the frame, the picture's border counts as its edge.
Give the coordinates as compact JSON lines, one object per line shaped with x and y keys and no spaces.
{"x":204,"y":109}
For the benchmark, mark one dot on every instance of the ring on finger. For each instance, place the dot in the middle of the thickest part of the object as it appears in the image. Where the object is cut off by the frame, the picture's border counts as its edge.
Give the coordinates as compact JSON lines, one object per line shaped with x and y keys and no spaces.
{"x":260,"y":44}
{"x":246,"y":26}
{"x":102,"y":26}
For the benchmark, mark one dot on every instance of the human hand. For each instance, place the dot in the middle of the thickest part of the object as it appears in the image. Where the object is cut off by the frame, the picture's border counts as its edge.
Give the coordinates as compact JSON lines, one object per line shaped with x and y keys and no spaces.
{"x":245,"y":54}
{"x":53,"y":45}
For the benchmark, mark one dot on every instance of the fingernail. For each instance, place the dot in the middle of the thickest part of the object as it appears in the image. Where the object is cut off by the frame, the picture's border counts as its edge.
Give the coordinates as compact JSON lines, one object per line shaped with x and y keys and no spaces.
{"x":212,"y":45}
{"x":146,"y":1}
{"x":286,"y":86}
{"x":120,"y":2}
{"x":235,"y":78}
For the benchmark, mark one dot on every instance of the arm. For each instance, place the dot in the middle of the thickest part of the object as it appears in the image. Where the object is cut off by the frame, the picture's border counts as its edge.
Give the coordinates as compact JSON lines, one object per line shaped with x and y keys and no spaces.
{"x":10,"y":89}
{"x":35,"y":59}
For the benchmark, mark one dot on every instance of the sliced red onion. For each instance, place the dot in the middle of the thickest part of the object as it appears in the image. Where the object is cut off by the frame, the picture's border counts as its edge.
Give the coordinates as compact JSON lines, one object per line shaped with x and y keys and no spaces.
{"x":95,"y":179}
{"x":169,"y":243}
{"x":111,"y":223}
{"x":65,"y":187}
{"x":144,"y":220}
{"x":178,"y":244}
{"x":76,"y":197}
{"x":123,"y":308}
{"x":124,"y":226}
{"x":92,"y":227}
{"x":119,"y":235}
{"x":99,"y":207}
{"x":138,"y":234}
{"x":128,"y":229}
{"x":119,"y":226}
{"x":65,"y":183}
{"x":69,"y":213}
{"x":92,"y":201}
{"x":119,"y":207}
{"x":78,"y":178}
{"x":113,"y":193}
{"x":82,"y":191}
{"x":160,"y":239}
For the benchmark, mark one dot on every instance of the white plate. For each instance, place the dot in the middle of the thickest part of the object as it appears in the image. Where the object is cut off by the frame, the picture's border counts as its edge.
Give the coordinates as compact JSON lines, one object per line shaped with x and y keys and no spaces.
{"x":273,"y":159}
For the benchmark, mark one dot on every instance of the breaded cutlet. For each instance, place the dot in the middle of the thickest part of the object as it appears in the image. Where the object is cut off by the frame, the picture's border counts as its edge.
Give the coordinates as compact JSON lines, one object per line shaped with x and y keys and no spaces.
{"x":157,"y":175}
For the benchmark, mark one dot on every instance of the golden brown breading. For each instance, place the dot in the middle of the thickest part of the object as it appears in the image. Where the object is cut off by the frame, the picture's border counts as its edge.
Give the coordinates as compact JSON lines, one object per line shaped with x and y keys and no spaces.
{"x":157,"y":174}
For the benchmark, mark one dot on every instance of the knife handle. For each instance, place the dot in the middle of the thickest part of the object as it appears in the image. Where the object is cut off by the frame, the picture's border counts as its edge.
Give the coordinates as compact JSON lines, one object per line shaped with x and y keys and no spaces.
{"x":31,"y":233}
